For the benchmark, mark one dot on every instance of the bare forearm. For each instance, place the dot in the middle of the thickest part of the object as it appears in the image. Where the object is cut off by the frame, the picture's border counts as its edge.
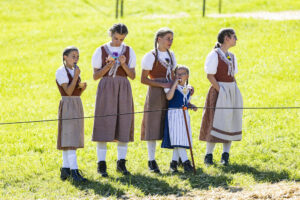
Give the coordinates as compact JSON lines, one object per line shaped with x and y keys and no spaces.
{"x":70,"y":88}
{"x":171,"y":92}
{"x":130,"y":72}
{"x":99,"y":73}
{"x":213,"y":81}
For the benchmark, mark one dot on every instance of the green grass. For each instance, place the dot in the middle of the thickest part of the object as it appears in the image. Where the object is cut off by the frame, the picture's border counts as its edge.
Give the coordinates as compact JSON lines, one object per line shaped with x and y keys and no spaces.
{"x":32,"y":37}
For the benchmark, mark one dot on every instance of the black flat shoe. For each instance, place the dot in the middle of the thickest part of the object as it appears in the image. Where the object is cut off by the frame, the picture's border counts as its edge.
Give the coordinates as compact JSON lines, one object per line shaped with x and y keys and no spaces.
{"x":121,"y":167}
{"x":76,"y":176}
{"x":225,"y":159}
{"x":64,"y":173}
{"x":173,"y":166}
{"x":102,"y":168}
{"x":208,"y":160}
{"x":153,"y":167}
{"x":187,"y":166}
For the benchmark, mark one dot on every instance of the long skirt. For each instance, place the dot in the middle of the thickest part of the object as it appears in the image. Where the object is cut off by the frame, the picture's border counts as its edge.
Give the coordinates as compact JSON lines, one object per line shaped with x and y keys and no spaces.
{"x":175,"y":134}
{"x":222,"y":125}
{"x":153,"y":122}
{"x":113,"y":103}
{"x":70,"y":131}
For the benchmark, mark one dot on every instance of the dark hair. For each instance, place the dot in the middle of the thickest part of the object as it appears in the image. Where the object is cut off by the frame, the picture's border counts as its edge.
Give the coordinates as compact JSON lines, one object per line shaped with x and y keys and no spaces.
{"x":118,"y":28}
{"x":161,"y":33}
{"x":221,"y":36}
{"x":185,"y":68}
{"x":68,"y":50}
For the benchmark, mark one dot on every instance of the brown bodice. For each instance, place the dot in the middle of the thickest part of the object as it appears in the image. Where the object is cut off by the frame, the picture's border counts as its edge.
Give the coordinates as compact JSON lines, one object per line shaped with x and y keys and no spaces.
{"x":77,"y":91}
{"x":222,"y":71}
{"x":158,"y":70}
{"x":120,"y":71}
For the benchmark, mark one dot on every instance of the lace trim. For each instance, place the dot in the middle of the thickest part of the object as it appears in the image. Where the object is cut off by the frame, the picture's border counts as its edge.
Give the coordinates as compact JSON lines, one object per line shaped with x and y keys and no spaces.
{"x":113,"y":71}
{"x":168,"y":66}
{"x":227,"y":61}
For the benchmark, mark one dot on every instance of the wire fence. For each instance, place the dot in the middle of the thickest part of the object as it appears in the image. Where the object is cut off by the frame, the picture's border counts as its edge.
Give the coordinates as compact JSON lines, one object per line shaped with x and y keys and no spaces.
{"x":145,"y":111}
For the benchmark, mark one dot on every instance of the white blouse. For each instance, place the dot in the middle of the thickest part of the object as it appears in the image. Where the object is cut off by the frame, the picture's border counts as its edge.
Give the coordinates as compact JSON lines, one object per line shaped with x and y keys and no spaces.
{"x":149,"y":58}
{"x":62,"y":76}
{"x":97,"y":56}
{"x":211,"y":63}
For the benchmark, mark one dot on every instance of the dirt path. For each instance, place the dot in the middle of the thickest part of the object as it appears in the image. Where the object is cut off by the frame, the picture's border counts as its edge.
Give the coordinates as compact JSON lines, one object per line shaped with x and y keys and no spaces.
{"x":284,"y":15}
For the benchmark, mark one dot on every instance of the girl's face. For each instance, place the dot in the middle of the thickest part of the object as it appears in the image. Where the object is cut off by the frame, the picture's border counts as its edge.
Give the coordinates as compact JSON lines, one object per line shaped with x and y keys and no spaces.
{"x":231,"y":40}
{"x":71,"y":59}
{"x":166,"y":41}
{"x":117,"y":39}
{"x":183,"y":75}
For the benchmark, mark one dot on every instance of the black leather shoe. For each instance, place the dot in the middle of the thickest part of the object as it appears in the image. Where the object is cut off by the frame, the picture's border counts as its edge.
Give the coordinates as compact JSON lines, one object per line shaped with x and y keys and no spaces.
{"x":153,"y":167}
{"x":102,"y":168}
{"x":225,"y":159}
{"x":64,"y":173}
{"x":180,"y":163}
{"x":76,"y":176}
{"x":121,"y":167}
{"x":208,"y":160}
{"x":187,"y":166}
{"x":173,"y":166}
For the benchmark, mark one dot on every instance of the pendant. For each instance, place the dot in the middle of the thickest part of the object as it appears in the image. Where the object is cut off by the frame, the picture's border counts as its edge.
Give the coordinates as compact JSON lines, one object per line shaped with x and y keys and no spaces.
{"x":185,"y":90}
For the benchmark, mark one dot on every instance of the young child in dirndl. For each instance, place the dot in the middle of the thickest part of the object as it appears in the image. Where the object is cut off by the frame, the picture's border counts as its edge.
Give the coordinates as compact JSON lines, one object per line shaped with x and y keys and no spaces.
{"x":175,"y":133}
{"x":70,"y":132}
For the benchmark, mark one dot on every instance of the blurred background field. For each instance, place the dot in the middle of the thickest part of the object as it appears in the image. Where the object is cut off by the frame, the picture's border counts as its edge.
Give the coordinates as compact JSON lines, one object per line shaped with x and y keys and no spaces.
{"x":33,"y":35}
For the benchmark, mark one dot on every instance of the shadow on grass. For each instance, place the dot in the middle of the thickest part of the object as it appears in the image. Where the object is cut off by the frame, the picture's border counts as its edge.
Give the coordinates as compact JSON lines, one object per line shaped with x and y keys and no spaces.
{"x":205,"y":181}
{"x":149,"y":185}
{"x":258,"y":175}
{"x":99,"y":188}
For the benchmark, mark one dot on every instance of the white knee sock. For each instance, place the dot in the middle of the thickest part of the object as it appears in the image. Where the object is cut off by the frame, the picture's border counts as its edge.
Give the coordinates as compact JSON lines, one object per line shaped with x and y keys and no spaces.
{"x":65,"y":163}
{"x":122,"y":150}
{"x":175,"y":154}
{"x":72,"y":159}
{"x":151,"y":149}
{"x":101,"y":151}
{"x":210,"y":147}
{"x":182,"y":154}
{"x":226,"y":147}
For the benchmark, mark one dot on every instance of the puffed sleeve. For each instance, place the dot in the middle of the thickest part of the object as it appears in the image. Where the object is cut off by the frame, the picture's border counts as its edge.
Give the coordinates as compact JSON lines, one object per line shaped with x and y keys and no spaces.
{"x":211,"y":63}
{"x":97,"y":58}
{"x":132,"y":59}
{"x":147,"y":61}
{"x":61,"y":76}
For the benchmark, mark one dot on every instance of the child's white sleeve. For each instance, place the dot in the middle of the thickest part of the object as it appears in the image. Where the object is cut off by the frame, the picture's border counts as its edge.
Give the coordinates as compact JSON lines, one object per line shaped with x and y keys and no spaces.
{"x":166,"y":90}
{"x":61,"y":76}
{"x":211,"y":63}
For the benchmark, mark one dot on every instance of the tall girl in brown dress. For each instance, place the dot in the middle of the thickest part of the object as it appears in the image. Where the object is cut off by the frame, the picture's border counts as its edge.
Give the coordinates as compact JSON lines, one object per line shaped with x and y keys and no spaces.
{"x":158,"y":68}
{"x":222,"y":125}
{"x":113,"y":62}
{"x":70,"y":132}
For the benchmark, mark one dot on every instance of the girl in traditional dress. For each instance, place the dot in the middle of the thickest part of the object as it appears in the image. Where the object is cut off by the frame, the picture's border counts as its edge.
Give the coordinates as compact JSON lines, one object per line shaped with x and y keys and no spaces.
{"x":113,"y":62}
{"x":157,"y":72}
{"x":175,"y":134}
{"x":70,"y":132}
{"x":222,"y":125}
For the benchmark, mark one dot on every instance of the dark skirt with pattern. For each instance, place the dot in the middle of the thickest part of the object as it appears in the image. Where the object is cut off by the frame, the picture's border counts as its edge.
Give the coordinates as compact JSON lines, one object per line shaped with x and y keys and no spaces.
{"x":114,"y":96}
{"x":154,"y":122}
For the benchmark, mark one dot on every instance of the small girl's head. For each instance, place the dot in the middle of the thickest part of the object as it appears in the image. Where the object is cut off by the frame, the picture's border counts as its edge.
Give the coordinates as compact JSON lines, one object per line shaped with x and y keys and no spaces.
{"x":118,"y":32}
{"x":70,"y":56}
{"x":182,"y":72}
{"x":226,"y":35}
{"x":164,"y":38}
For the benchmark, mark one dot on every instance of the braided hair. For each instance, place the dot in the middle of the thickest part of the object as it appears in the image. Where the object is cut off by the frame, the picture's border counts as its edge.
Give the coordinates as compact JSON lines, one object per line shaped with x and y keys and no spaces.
{"x":221,"y":36}
{"x":118,"y":28}
{"x":161,"y":33}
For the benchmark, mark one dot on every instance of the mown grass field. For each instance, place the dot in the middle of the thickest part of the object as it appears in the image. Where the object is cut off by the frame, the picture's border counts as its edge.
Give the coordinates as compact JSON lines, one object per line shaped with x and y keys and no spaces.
{"x":32,"y":37}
